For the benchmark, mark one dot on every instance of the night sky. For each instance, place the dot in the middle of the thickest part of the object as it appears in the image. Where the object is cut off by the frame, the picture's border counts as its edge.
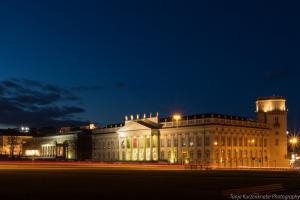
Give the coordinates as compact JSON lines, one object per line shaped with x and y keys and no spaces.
{"x":64,"y":62}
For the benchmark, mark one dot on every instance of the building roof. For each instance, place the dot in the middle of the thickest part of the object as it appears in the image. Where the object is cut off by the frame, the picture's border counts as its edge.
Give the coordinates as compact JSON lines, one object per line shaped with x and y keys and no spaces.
{"x":207,"y":115}
{"x":149,"y":124}
{"x":271,"y":98}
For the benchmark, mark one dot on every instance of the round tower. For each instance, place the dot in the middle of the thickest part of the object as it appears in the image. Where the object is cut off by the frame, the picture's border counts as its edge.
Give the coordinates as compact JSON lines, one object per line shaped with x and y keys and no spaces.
{"x":273,"y":112}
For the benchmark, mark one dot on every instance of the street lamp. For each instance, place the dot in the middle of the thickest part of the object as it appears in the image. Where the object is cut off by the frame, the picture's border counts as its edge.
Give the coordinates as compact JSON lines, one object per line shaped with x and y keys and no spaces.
{"x":217,"y":156}
{"x":177,"y":117}
{"x":293,"y":142}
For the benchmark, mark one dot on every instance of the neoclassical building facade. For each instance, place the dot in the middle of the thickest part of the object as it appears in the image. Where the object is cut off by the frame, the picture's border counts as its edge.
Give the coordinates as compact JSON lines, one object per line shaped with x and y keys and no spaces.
{"x":207,"y":139}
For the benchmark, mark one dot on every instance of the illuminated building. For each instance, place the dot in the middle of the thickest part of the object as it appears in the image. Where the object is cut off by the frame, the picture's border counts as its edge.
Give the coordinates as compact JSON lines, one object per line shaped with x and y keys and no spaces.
{"x":64,"y":144}
{"x":11,"y":142}
{"x":208,"y":139}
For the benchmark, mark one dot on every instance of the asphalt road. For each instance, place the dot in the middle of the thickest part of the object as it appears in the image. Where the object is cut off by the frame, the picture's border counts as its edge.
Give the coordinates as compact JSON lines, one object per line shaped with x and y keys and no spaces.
{"x":40,"y":181}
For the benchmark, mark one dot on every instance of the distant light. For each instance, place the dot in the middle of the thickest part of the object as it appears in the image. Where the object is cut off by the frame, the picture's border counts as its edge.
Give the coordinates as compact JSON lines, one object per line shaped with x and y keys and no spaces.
{"x":294,"y":140}
{"x":32,"y":153}
{"x":216,"y":143}
{"x":25,"y":129}
{"x":177,"y":117}
{"x":287,"y":132}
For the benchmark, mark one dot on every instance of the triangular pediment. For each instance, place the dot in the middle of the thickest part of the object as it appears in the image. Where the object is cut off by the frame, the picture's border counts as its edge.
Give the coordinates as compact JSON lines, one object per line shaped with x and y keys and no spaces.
{"x":133,"y":126}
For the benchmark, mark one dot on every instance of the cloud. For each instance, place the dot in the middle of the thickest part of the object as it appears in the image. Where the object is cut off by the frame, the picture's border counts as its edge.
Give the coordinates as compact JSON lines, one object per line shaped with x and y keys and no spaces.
{"x":276,"y":74}
{"x":33,"y":103}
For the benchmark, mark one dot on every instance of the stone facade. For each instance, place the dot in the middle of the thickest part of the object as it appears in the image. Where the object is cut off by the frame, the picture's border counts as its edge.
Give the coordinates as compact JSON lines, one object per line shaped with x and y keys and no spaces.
{"x":208,"y":139}
{"x":67,"y":146}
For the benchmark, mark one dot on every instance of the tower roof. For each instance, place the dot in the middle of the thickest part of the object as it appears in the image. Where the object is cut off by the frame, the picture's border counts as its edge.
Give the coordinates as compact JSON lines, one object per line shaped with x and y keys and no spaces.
{"x":271,"y":98}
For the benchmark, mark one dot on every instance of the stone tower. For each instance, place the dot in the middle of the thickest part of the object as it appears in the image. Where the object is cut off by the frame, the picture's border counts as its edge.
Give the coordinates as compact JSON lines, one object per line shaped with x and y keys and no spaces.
{"x":273,"y":112}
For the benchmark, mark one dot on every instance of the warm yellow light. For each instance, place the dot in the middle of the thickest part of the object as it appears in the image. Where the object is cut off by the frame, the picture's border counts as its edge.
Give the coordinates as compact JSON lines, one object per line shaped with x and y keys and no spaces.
{"x":32,"y":153}
{"x":176,"y":117}
{"x":294,"y":140}
{"x":92,"y":126}
{"x":216,"y":143}
{"x":252,"y":141}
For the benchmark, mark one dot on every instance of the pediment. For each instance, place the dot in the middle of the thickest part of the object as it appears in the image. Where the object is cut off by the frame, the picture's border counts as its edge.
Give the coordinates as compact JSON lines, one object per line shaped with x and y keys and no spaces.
{"x":133,"y":126}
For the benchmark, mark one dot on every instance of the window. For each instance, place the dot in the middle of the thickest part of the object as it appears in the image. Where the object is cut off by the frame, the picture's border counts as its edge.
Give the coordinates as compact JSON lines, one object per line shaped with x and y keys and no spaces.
{"x":199,"y":155}
{"x":162,"y":155}
{"x":241,"y":142}
{"x":246,"y":154}
{"x":207,"y":141}
{"x":228,"y":154}
{"x":162,"y":142}
{"x":207,"y":154}
{"x":260,"y":142}
{"x":175,"y":142}
{"x":169,"y":155}
{"x":142,"y":143}
{"x":147,"y":142}
{"x":240,"y":154}
{"x":191,"y":141}
{"x":265,"y":142}
{"x":191,"y":154}
{"x":183,"y":142}
{"x":223,"y":141}
{"x":135,"y":143}
{"x":128,"y":143}
{"x":169,"y":142}
{"x":229,"y":141}
{"x":277,"y":142}
{"x":234,"y":141}
{"x":198,"y":141}
{"x":246,"y":142}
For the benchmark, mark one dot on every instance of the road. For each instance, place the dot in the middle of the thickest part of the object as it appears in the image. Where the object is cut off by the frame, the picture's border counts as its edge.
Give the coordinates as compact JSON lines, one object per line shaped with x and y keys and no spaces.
{"x":38,"y":181}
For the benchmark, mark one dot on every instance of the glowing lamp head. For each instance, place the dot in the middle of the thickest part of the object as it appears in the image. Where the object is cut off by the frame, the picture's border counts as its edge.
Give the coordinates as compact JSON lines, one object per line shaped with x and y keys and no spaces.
{"x":215,"y":143}
{"x":177,"y":117}
{"x":294,"y":140}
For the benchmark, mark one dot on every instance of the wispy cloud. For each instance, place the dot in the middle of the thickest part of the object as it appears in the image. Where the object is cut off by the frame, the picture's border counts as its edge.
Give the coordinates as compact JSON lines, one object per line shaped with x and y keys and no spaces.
{"x":37,"y":104}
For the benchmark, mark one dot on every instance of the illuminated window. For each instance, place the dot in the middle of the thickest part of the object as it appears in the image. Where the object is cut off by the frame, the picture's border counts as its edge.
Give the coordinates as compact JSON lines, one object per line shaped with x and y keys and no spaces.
{"x":183,"y":142}
{"x":148,"y":143}
{"x":191,"y":141}
{"x":142,"y":143}
{"x":128,"y":143}
{"x":162,"y":155}
{"x":135,"y":143}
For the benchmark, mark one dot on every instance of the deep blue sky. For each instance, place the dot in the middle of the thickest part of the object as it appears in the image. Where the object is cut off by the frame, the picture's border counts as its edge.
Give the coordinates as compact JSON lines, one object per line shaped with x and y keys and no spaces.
{"x":128,"y":57}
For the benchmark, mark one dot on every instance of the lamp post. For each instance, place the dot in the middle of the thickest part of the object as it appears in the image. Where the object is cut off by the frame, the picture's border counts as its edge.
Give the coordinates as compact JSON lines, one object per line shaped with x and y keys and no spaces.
{"x":177,"y":117}
{"x":293,"y":142}
{"x":217,"y":157}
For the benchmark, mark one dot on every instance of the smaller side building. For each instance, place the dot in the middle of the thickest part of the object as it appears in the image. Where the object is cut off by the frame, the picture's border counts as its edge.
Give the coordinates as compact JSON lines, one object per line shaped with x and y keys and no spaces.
{"x":64,"y":145}
{"x":11,"y":142}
